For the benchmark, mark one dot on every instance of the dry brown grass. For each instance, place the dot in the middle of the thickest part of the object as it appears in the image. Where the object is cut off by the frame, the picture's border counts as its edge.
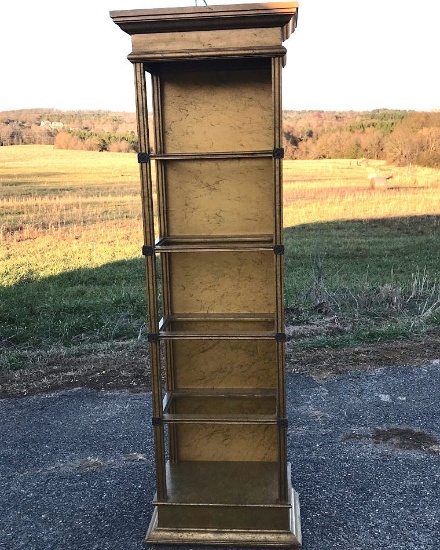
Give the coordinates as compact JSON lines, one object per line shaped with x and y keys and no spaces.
{"x":332,"y":190}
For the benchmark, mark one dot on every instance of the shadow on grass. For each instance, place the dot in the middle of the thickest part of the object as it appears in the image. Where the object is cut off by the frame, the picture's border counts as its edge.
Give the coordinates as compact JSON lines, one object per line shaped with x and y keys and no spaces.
{"x":349,"y":282}
{"x":376,"y":251}
{"x":384,"y":270}
{"x":93,"y":305}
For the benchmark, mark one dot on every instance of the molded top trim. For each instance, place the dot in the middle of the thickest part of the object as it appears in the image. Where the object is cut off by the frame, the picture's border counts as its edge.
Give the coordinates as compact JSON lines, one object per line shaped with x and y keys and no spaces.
{"x":236,"y":16}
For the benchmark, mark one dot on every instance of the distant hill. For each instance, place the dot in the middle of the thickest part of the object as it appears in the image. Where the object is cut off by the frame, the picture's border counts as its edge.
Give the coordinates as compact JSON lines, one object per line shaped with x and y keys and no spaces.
{"x":401,"y":137}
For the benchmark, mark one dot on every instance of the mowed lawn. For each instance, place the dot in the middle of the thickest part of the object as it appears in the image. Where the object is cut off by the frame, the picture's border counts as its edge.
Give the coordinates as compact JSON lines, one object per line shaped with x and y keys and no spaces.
{"x":361,"y":263}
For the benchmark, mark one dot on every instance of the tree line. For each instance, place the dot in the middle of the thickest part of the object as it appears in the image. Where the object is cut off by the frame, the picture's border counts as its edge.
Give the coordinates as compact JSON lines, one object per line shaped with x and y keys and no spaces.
{"x":400,"y":137}
{"x":88,"y":130}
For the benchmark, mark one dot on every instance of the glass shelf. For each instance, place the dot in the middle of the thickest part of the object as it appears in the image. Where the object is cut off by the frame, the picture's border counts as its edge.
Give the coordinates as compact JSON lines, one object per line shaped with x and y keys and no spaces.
{"x":226,"y":406}
{"x":211,"y":155}
{"x":209,"y":243}
{"x":211,"y":326}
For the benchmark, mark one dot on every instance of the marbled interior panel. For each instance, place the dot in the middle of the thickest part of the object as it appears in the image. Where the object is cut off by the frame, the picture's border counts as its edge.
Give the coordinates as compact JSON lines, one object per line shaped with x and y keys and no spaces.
{"x":220,"y":405}
{"x":211,"y":364}
{"x":217,"y":110}
{"x":222,"y":282}
{"x":220,"y":197}
{"x":229,"y":442}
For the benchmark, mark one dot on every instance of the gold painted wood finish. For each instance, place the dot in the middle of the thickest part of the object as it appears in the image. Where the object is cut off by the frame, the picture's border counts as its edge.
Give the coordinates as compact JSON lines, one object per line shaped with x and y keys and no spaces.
{"x":281,"y":15}
{"x":182,"y":22}
{"x":226,"y":442}
{"x":220,"y":413}
{"x":246,"y":31}
{"x":244,"y":512}
{"x":234,"y":39}
{"x":209,"y":364}
{"x":222,"y":282}
{"x":219,"y":197}
{"x":203,"y":110}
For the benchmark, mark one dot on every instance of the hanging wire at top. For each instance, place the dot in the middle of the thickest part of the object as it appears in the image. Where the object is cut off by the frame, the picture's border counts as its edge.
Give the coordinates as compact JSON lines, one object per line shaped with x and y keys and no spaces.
{"x":206,"y":3}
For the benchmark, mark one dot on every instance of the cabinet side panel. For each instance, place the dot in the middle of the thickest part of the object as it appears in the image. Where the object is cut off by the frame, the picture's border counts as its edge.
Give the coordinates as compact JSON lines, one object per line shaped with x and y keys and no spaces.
{"x":222,"y":282}
{"x":220,"y":197}
{"x":218,"y":110}
{"x":208,"y":364}
{"x":221,"y":442}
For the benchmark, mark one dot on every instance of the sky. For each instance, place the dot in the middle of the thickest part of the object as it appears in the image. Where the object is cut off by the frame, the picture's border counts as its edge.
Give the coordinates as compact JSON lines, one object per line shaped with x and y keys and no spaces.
{"x":344,"y":55}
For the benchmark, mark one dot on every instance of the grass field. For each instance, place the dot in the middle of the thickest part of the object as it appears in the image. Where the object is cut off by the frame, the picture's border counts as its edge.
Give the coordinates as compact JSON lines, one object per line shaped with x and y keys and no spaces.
{"x":361,"y":264}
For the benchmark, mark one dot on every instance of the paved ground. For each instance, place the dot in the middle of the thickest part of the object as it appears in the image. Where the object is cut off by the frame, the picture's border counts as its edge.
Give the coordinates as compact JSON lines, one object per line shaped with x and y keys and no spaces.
{"x":76,"y":469}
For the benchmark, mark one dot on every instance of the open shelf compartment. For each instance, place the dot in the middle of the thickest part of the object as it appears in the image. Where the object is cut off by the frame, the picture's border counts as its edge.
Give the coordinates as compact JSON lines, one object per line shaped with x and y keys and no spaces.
{"x":217,"y":197}
{"x":225,"y":503}
{"x":217,"y":364}
{"x":226,"y":482}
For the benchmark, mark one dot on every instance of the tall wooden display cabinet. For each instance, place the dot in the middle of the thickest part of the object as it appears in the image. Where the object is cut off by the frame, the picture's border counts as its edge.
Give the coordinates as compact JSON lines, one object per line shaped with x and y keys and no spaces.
{"x":214,"y":256}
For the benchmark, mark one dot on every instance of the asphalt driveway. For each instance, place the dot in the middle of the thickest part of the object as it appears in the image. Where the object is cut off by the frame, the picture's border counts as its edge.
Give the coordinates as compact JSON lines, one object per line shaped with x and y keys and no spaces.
{"x":76,"y":467}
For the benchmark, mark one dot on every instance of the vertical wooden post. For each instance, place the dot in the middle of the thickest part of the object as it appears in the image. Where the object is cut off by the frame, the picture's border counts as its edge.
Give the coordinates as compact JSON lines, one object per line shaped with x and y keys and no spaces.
{"x":150,"y":261}
{"x":279,"y":271}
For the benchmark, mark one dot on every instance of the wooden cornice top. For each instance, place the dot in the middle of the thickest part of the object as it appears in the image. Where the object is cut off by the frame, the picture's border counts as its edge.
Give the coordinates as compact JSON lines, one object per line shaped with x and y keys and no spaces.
{"x":237,"y":16}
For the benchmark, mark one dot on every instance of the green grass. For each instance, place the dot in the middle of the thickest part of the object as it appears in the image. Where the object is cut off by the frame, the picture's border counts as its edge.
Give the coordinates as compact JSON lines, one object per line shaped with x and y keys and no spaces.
{"x":100,"y":304}
{"x":360,"y":266}
{"x":360,"y":254}
{"x":377,"y":279}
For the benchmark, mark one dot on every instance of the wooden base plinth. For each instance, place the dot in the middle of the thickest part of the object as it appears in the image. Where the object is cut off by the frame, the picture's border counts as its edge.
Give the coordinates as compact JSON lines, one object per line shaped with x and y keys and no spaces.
{"x":219,"y":514}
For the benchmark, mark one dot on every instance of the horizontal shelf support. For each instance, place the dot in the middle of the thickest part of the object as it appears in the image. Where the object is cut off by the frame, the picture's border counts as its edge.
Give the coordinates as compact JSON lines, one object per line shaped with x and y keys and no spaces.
{"x":253,"y":393}
{"x":249,"y":327}
{"x":220,"y":317}
{"x":216,"y":336}
{"x":220,"y":419}
{"x":242,"y":247}
{"x":276,"y":153}
{"x":214,"y":155}
{"x":215,"y":243}
{"x":168,"y":245}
